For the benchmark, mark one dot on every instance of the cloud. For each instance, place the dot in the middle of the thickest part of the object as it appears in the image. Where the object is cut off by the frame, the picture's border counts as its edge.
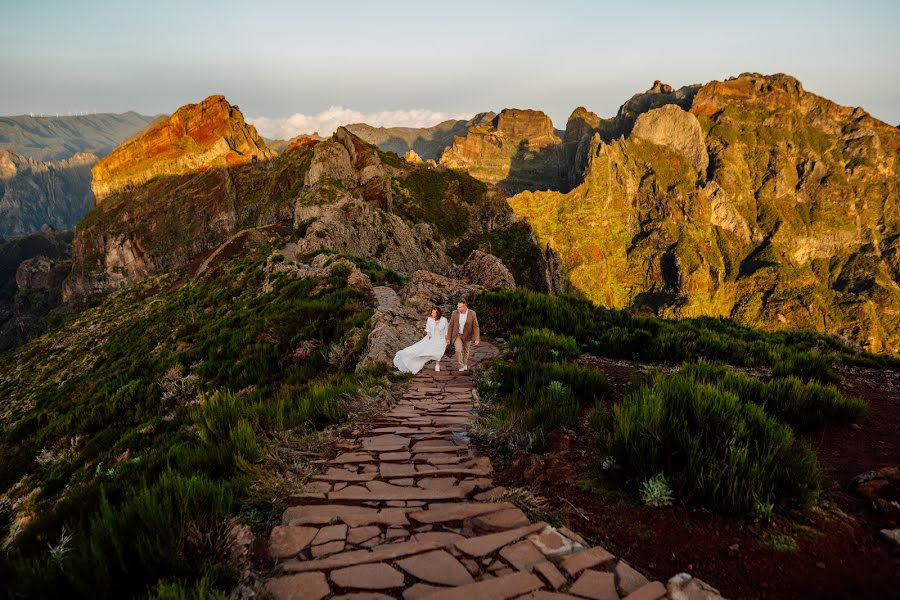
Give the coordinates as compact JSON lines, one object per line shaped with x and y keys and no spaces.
{"x":324,"y":123}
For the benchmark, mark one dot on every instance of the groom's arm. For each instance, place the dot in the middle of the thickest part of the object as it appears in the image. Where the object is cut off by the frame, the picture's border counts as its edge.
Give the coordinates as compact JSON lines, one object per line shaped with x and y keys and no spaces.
{"x":476,"y":331}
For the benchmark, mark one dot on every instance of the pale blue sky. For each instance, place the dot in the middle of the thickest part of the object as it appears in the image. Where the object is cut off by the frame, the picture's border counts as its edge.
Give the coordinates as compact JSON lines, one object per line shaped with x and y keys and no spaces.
{"x":454,"y":57}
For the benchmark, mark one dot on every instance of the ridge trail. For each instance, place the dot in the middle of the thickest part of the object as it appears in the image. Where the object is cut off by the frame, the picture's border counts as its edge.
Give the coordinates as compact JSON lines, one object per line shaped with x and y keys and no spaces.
{"x":409,"y":510}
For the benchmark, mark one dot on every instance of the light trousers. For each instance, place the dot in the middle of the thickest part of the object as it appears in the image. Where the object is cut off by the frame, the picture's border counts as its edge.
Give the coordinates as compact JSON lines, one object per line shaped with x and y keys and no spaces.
{"x":462,"y":351}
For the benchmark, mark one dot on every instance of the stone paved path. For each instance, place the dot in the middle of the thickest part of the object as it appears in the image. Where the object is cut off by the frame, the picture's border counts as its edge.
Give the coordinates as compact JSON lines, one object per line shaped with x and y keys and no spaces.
{"x":409,"y":511}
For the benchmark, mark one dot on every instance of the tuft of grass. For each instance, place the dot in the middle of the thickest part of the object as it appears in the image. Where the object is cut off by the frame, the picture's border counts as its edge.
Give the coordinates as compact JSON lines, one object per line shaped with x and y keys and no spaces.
{"x":807,"y":366}
{"x":543,"y":345}
{"x":717,"y":451}
{"x":804,"y":406}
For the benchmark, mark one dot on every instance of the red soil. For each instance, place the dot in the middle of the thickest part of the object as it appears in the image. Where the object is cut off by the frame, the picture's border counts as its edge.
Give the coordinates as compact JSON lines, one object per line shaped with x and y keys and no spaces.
{"x":840,"y":553}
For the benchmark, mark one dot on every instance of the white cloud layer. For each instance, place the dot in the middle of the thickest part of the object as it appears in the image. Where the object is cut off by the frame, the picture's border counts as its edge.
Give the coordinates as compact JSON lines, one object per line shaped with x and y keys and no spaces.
{"x":324,"y":123}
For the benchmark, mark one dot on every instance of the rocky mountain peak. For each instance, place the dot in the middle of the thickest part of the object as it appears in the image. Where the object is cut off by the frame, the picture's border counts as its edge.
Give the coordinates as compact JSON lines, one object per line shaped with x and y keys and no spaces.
{"x":676,"y":129}
{"x":658,"y":95}
{"x":209,"y":134}
{"x":659,"y":87}
{"x":517,"y":149}
{"x":525,"y":124}
{"x":581,"y":122}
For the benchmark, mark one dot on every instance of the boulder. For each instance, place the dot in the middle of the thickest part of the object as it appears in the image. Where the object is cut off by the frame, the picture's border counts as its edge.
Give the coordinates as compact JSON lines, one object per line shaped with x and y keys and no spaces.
{"x":686,"y":587}
{"x":331,"y":161}
{"x":412,"y":158}
{"x":358,"y":228}
{"x":426,"y":290}
{"x":485,"y":270}
{"x":677,"y":129}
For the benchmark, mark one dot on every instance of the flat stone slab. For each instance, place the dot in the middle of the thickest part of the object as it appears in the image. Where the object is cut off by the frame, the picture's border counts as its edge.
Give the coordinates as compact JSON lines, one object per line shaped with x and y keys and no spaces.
{"x":595,"y":585}
{"x":486,"y":544}
{"x":322,"y":514}
{"x":457,"y":512}
{"x":286,"y":541}
{"x":522,"y":555}
{"x":305,"y":586}
{"x":353,"y":457}
{"x":373,"y":576}
{"x":330,"y":534}
{"x":335,"y":474}
{"x":411,"y":493}
{"x":436,"y":567}
{"x":651,"y":591}
{"x":576,"y":563}
{"x":498,"y":588}
{"x":394,"y":518}
{"x":500,"y":520}
{"x":358,"y":557}
{"x":388,"y":442}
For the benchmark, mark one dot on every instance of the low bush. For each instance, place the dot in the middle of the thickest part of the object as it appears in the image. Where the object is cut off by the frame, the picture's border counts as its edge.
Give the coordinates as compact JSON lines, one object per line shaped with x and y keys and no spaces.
{"x":806,"y":366}
{"x":805,"y":407}
{"x":528,"y":398}
{"x":713,"y":449}
{"x":618,"y":333}
{"x":542,"y":345}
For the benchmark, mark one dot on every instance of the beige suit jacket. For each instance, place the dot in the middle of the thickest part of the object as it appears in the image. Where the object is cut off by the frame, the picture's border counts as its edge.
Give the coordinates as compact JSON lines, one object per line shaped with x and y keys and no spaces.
{"x":471,"y":331}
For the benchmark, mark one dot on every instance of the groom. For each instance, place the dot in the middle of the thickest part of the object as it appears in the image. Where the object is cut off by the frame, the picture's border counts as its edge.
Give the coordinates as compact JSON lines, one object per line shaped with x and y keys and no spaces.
{"x":463,"y":328}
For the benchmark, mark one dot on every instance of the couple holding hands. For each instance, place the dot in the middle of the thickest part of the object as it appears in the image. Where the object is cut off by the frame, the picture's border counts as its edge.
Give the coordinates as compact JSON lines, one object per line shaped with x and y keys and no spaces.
{"x":462,"y":331}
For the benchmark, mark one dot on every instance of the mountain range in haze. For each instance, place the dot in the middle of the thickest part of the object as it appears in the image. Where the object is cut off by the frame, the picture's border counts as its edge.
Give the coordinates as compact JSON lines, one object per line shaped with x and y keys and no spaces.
{"x":748,"y":198}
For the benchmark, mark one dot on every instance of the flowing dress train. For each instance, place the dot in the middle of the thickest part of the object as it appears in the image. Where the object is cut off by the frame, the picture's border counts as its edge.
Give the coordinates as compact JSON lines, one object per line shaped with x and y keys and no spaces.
{"x":431,"y":347}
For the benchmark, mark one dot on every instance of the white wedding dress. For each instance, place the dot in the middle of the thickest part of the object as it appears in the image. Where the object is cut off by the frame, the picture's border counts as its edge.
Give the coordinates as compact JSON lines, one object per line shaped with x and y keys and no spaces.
{"x":431,"y":347}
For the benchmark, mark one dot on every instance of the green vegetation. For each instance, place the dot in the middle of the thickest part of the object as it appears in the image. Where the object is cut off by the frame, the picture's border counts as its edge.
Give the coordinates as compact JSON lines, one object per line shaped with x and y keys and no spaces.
{"x":713,"y":449}
{"x":805,"y":407}
{"x":807,"y":366}
{"x":705,"y":435}
{"x":618,"y":333}
{"x":537,"y":389}
{"x":133,"y":477}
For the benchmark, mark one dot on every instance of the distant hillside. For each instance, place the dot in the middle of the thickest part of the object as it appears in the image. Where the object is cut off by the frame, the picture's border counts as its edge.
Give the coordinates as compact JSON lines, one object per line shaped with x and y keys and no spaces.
{"x":427,"y":142}
{"x":749,"y":198}
{"x":57,"y":138}
{"x":34,"y":193}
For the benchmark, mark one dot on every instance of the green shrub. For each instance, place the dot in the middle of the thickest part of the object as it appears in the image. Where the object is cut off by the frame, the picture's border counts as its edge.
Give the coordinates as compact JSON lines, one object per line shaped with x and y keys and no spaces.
{"x":807,"y":366}
{"x":618,"y":333}
{"x":715,"y":450}
{"x":528,"y":400}
{"x":543,"y":345}
{"x":804,"y":406}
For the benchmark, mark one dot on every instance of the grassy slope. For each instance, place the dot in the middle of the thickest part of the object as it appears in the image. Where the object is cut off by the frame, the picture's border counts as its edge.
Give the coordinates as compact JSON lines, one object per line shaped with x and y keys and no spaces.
{"x":94,"y":443}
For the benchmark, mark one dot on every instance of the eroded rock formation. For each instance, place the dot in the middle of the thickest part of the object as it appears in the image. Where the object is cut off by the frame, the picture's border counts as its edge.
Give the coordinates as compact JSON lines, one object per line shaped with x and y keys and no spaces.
{"x":206,"y":135}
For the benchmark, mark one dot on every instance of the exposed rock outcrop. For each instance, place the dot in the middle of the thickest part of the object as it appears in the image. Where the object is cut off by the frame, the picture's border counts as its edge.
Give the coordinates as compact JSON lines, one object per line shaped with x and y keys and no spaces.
{"x":792,"y":222}
{"x":33,"y":193}
{"x":485,"y":270}
{"x":671,"y":126}
{"x":39,"y":281}
{"x":45,"y":245}
{"x":658,"y":95}
{"x":428,"y":142}
{"x":359,"y":228}
{"x":206,"y":135}
{"x":517,"y":149}
{"x":412,"y":158}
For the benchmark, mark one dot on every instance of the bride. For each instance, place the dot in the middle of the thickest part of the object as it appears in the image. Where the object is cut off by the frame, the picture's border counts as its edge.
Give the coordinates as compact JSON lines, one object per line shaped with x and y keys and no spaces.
{"x":430,"y":347}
